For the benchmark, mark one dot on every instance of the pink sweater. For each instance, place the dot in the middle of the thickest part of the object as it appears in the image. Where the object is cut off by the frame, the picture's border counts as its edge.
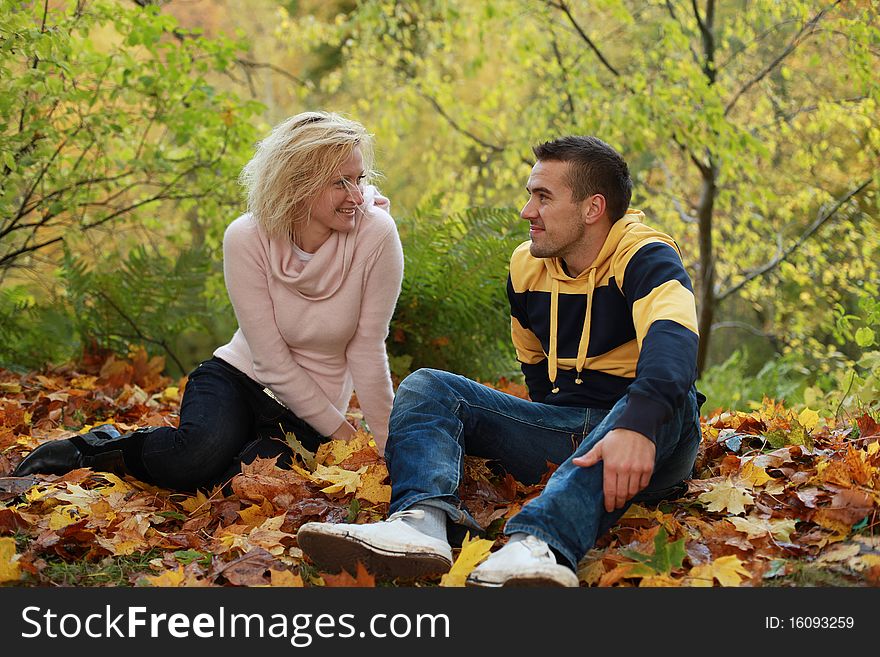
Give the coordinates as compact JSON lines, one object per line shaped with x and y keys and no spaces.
{"x":311,"y":332}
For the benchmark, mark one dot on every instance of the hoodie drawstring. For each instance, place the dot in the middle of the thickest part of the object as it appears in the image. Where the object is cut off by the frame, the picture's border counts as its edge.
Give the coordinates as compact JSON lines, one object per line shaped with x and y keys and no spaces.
{"x":553,"y":356}
{"x":585,"y":333}
{"x":554,"y":312}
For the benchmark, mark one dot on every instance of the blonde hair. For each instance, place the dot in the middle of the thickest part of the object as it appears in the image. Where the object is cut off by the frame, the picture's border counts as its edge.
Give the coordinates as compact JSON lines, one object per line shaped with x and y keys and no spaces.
{"x":295,"y":163}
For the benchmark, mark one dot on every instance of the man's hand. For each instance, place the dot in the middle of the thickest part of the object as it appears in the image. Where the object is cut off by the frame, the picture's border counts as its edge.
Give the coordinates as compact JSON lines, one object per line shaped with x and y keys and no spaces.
{"x":629,"y":462}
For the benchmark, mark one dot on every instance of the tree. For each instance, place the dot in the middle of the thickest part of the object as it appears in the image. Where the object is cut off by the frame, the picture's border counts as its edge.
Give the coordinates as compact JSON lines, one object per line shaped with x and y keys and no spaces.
{"x":110,"y":117}
{"x":750,"y":127}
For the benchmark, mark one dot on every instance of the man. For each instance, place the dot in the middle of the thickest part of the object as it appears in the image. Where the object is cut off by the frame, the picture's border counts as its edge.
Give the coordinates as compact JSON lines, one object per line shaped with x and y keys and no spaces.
{"x":604,"y":324}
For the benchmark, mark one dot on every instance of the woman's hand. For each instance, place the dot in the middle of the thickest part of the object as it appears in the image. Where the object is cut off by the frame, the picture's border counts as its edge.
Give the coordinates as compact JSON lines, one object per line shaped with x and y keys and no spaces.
{"x":344,"y":432}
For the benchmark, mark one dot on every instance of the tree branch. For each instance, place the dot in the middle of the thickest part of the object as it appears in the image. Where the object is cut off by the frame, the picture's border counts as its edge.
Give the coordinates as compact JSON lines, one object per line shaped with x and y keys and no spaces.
{"x":672,"y":13}
{"x":745,"y":327}
{"x":807,"y":234}
{"x":558,"y":55}
{"x":455,"y":126}
{"x":138,"y":333}
{"x":805,"y":31}
{"x":571,"y":19}
{"x":248,"y":65}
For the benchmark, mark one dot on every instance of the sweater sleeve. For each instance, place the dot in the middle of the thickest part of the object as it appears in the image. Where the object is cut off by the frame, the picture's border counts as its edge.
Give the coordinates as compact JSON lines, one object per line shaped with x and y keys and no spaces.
{"x":246,"y":270}
{"x":660,"y":295}
{"x":366,"y":354}
{"x":529,"y":352}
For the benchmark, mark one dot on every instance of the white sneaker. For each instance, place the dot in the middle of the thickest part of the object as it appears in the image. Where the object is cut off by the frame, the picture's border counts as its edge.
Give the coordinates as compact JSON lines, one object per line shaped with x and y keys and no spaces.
{"x":528,"y":562}
{"x":391,"y":548}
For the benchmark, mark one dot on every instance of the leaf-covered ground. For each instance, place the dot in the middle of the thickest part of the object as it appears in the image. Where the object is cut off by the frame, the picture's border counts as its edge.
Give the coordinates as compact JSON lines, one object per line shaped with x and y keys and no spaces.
{"x":780,"y":499}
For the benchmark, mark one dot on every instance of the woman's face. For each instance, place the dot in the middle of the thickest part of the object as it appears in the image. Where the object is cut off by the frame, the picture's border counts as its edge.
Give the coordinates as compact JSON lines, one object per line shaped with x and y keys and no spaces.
{"x":335,"y":208}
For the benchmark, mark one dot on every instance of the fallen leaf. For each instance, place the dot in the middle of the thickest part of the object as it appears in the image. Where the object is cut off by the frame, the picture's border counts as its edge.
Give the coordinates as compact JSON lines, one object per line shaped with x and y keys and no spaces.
{"x":473,"y":551}
{"x":726,"y":495}
{"x":659,"y":581}
{"x":195,"y":503}
{"x":754,"y":474}
{"x":172,"y":578}
{"x":371,"y":488}
{"x":362,"y":578}
{"x":341,"y":481}
{"x":591,"y":572}
{"x":667,"y":556}
{"x":285,"y":578}
{"x":9,"y":569}
{"x":839,"y":552}
{"x":729,"y":571}
{"x":307,"y":456}
{"x":808,"y":419}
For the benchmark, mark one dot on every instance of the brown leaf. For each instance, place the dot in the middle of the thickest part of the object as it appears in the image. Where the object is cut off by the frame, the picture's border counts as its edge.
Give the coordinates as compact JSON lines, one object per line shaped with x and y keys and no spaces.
{"x":362,"y":579}
{"x":261,"y":487}
{"x":250,"y":569}
{"x":11,"y":522}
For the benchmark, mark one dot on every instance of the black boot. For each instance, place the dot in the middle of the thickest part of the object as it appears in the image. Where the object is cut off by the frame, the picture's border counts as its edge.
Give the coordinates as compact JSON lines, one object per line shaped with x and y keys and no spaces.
{"x":102,"y":449}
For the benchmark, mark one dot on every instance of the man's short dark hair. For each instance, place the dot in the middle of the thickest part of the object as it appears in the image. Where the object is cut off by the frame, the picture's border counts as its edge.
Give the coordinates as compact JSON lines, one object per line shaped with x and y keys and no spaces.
{"x":595,"y":168}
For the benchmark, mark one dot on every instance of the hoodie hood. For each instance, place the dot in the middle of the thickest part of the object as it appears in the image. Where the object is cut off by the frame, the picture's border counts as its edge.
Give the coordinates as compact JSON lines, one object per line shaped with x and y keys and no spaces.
{"x":323,"y":275}
{"x":626,"y":235}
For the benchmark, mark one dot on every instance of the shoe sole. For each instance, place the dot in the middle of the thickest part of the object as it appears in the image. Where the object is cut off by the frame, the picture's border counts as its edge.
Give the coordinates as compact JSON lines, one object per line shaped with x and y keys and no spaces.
{"x":518,"y":582}
{"x":343,"y":552}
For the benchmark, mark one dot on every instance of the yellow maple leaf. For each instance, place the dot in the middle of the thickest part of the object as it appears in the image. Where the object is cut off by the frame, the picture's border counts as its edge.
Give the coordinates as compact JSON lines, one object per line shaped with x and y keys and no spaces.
{"x":371,"y":488}
{"x":256,"y":514}
{"x":62,"y":516}
{"x":781,"y":528}
{"x":754,"y":474}
{"x":9,"y":570}
{"x":873,"y":448}
{"x":194,"y":503}
{"x":659,"y":581}
{"x":591,"y":572}
{"x":752,"y":527}
{"x":473,"y":551}
{"x":808,"y":419}
{"x":285,"y":578}
{"x":117,"y":485}
{"x":171,"y":578}
{"x":726,"y":495}
{"x":340,"y":480}
{"x":79,"y":496}
{"x":336,"y":451}
{"x":727,"y":570}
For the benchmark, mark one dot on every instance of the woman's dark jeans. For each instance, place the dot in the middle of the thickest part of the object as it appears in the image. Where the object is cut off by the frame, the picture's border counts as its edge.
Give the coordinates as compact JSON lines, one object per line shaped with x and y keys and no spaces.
{"x":226,"y":419}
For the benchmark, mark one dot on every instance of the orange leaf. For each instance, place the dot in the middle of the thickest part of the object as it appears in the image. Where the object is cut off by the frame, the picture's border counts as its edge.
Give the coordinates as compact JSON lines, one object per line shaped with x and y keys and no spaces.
{"x":363,"y":579}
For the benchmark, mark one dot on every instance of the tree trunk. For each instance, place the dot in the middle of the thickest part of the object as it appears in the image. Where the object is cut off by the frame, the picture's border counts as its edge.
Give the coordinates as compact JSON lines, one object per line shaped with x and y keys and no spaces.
{"x":706,"y":283}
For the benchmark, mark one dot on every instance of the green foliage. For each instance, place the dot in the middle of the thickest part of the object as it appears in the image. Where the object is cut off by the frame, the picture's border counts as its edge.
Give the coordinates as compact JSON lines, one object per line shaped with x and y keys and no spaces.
{"x":732,"y":385}
{"x":33,"y":334}
{"x":145,"y":299}
{"x":667,"y":556}
{"x":114,"y":134}
{"x":108,"y":116}
{"x":851,"y":379}
{"x":453,"y":312}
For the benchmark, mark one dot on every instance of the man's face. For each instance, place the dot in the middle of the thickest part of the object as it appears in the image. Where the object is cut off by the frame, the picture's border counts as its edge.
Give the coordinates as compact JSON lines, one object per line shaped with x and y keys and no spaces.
{"x":556,"y":224}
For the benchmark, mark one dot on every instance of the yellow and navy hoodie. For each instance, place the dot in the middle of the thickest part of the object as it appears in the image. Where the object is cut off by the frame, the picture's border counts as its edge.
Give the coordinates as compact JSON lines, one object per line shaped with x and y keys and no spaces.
{"x":628,"y":323}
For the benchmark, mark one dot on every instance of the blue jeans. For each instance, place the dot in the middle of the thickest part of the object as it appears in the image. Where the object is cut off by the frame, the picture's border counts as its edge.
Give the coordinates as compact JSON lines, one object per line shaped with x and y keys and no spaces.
{"x":438,"y":417}
{"x":225,"y":420}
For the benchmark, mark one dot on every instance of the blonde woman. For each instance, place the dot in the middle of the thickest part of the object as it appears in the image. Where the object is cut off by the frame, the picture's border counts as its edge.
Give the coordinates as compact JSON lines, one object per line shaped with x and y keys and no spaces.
{"x":313,"y":271}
